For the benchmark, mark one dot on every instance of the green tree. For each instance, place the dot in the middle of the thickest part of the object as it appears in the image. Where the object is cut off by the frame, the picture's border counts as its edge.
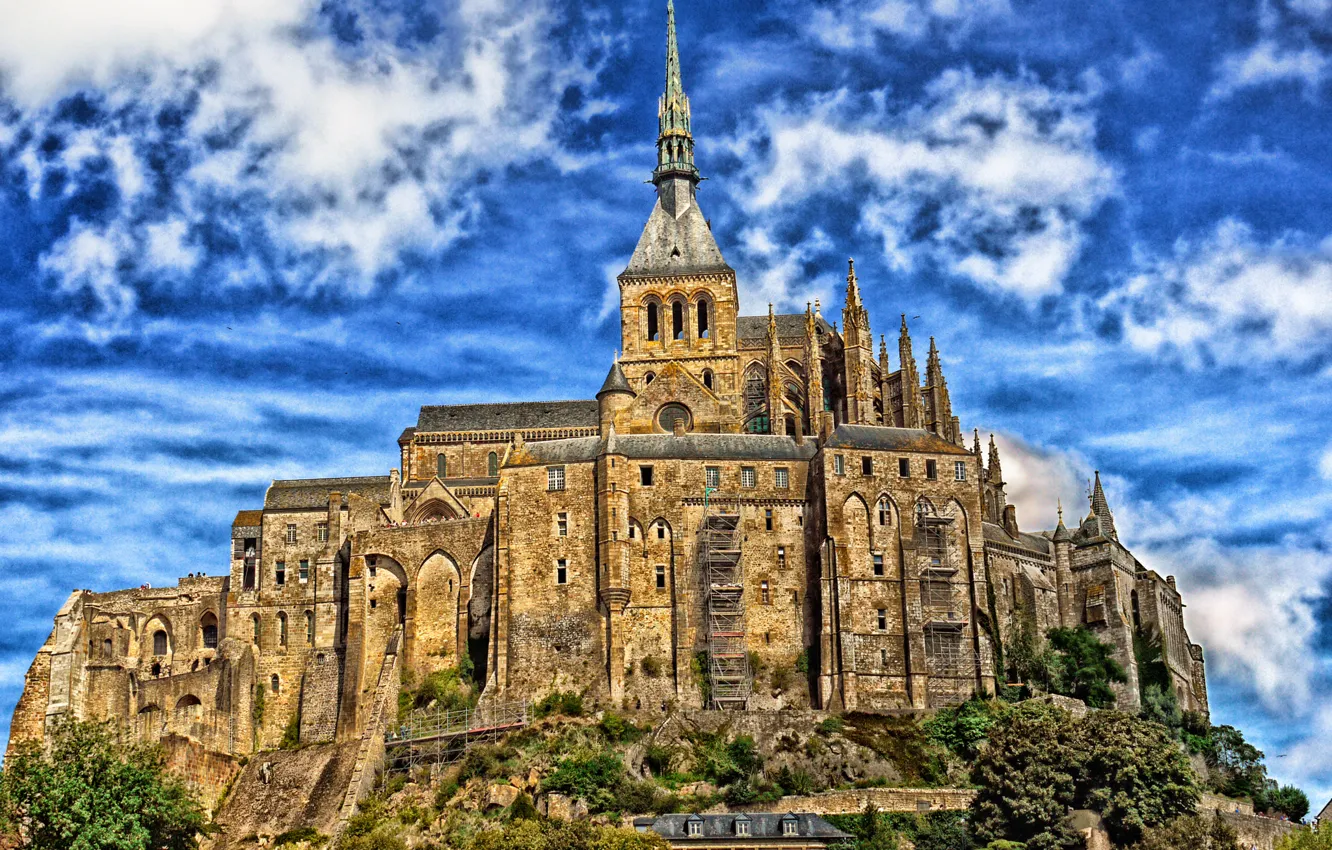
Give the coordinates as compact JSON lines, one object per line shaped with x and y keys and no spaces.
{"x":1084,"y":667}
{"x":93,"y":793}
{"x":962,"y":729}
{"x":1239,"y":762}
{"x":1026,"y":781}
{"x":1307,"y":839}
{"x":1196,"y":832}
{"x":1287,"y":800}
{"x":1032,"y":660}
{"x":1132,"y":772}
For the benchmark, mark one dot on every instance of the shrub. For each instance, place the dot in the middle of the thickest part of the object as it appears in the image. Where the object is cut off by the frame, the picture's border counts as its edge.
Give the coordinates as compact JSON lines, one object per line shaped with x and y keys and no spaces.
{"x":658,"y":758}
{"x":583,"y":777}
{"x":307,"y":834}
{"x":291,"y":734}
{"x":1084,"y":666}
{"x":802,"y":662}
{"x":522,"y":809}
{"x":1305,"y":839}
{"x":380,"y":839}
{"x":796,"y":782}
{"x":618,"y":730}
{"x":445,"y":794}
{"x":651,"y":667}
{"x":830,"y":726}
{"x":484,"y":761}
{"x":566,"y":703}
{"x":781,"y":678}
{"x":740,"y":793}
{"x":962,"y":729}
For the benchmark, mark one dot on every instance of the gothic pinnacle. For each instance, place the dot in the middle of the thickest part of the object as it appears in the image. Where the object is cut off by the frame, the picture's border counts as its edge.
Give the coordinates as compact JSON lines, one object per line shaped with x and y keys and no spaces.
{"x":675,"y":140}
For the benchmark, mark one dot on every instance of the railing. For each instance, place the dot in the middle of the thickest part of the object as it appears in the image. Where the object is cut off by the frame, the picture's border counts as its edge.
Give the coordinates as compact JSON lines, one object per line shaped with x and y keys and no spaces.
{"x":442,"y":736}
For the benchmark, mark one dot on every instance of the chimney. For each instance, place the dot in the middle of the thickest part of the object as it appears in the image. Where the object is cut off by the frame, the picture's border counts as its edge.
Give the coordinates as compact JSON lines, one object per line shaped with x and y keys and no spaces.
{"x":1010,"y":520}
{"x":678,"y":427}
{"x":1170,"y":580}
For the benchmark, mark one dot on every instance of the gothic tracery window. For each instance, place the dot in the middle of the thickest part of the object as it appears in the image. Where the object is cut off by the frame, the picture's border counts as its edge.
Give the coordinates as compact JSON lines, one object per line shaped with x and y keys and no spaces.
{"x":756,"y":401}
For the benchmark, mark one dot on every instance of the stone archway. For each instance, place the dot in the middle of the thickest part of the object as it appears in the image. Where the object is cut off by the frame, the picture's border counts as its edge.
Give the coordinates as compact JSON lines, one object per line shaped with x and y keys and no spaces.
{"x":435,"y":614}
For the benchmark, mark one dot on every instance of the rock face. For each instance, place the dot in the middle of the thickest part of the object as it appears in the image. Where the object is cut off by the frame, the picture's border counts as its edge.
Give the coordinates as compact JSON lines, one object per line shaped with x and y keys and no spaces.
{"x":501,"y":796}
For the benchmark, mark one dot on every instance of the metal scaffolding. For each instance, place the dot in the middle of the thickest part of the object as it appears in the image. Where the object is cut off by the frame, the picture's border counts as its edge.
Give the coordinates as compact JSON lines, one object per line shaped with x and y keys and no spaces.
{"x":945,"y":597}
{"x":719,"y":544}
{"x":443,"y":736}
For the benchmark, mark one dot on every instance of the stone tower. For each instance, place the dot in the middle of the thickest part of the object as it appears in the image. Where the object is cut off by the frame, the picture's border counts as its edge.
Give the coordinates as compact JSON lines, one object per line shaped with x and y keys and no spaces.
{"x":678,"y":300}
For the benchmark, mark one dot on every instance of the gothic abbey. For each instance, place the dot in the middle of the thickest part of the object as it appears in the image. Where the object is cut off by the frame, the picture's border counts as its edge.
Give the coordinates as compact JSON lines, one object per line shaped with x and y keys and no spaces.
{"x":745,"y":496}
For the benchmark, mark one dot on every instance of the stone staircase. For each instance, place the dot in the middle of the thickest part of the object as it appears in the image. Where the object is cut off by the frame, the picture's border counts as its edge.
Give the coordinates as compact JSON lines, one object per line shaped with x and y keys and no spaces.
{"x":370,"y":752}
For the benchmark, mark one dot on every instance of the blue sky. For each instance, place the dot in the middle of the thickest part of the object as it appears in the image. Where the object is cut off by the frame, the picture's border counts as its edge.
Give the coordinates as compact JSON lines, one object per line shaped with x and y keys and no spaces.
{"x":245,"y":240}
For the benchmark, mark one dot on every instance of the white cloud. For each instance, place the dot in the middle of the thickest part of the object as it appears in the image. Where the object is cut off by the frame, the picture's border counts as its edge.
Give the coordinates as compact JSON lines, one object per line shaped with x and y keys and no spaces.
{"x":1040,"y":479}
{"x":1268,"y":62}
{"x":990,"y":178}
{"x":343,"y":155}
{"x":1231,"y":298}
{"x":855,"y":24}
{"x":1325,"y":464}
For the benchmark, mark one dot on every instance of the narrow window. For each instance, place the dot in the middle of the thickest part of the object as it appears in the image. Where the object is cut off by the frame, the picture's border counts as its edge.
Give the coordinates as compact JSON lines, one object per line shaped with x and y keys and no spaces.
{"x":309,"y":627}
{"x":748,"y":479}
{"x":712,"y":477}
{"x":282,"y":629}
{"x":275,"y":684}
{"x":321,"y":532}
{"x":885,"y":514}
{"x":254,"y":622}
{"x":882,"y":615}
{"x":661,"y":531}
{"x":305,"y":571}
{"x":280,"y":573}
{"x":645,"y":476}
{"x":441,"y":466}
{"x":108,"y":651}
{"x":703,"y":329}
{"x":781,"y":557}
{"x":492,"y":465}
{"x":800,"y":517}
{"x":767,"y":519}
{"x":649,"y":378}
{"x":661,"y":577}
{"x":653,"y":332}
{"x":931,"y":469}
{"x":562,"y":525}
{"x":561,"y":571}
{"x":707,"y":378}
{"x":960,"y":470}
{"x":878,"y":565}
{"x":782,"y":478}
{"x":291,"y":532}
{"x":554,"y":478}
{"x":867,"y":466}
{"x":764,"y":593}
{"x":677,"y":321}
{"x":839,"y":465}
{"x":159,"y":642}
{"x":903,"y":467}
{"x":883,"y":658}
{"x":632,"y":534}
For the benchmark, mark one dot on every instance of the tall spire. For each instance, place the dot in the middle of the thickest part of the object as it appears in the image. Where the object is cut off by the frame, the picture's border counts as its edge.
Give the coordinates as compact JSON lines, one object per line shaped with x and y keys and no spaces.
{"x":1100,"y":508}
{"x":995,"y":470}
{"x":852,"y":284}
{"x":675,"y":142}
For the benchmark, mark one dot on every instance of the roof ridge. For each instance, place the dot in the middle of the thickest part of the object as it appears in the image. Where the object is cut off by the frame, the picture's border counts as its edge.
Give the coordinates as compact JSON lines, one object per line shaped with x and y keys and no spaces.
{"x":496,"y":403}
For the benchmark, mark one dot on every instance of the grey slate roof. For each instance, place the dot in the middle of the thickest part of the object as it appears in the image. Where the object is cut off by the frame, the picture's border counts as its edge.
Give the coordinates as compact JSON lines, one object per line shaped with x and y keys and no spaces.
{"x":615,"y":381}
{"x":1038,"y":543}
{"x":671,"y":447}
{"x":406,"y":436}
{"x":788,"y":325}
{"x":312,"y":493}
{"x":508,"y":416}
{"x":761,"y":825}
{"x":676,"y":245}
{"x":880,"y":438}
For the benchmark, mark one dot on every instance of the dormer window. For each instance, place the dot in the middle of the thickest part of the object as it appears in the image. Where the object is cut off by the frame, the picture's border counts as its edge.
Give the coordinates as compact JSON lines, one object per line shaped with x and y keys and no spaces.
{"x":694,"y":826}
{"x":790,"y":826}
{"x":742,"y":827}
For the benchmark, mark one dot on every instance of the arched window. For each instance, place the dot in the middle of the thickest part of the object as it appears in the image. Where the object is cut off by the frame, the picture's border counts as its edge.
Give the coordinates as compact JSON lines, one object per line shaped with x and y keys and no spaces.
{"x":653,"y":322}
{"x":309,"y":627}
{"x":254,"y":621}
{"x":275,"y":684}
{"x":208,"y":630}
{"x":492,"y":465}
{"x":649,"y":378}
{"x":756,"y":400}
{"x":707,"y":378}
{"x":108,"y":650}
{"x":677,"y":320}
{"x":441,"y":466}
{"x":885,"y":513}
{"x":703,"y":329}
{"x":790,"y":424}
{"x":159,"y":642}
{"x":282,"y":628}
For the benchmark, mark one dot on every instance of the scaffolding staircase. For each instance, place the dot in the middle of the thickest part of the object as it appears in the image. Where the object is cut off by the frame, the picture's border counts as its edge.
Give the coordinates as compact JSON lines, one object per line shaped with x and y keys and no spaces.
{"x":719,"y":544}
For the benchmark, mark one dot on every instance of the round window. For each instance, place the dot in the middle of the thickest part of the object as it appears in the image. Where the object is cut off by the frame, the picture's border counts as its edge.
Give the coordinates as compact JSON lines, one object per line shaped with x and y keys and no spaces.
{"x":672,"y":413}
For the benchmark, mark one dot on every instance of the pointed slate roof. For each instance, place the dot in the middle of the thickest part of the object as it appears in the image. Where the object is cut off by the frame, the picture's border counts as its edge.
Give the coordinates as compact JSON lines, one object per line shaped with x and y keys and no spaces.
{"x":1100,"y":508}
{"x":615,"y":382}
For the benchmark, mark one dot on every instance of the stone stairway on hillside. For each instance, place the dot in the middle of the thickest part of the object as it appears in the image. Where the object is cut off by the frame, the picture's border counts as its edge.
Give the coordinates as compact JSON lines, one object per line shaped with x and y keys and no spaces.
{"x":370,"y":752}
